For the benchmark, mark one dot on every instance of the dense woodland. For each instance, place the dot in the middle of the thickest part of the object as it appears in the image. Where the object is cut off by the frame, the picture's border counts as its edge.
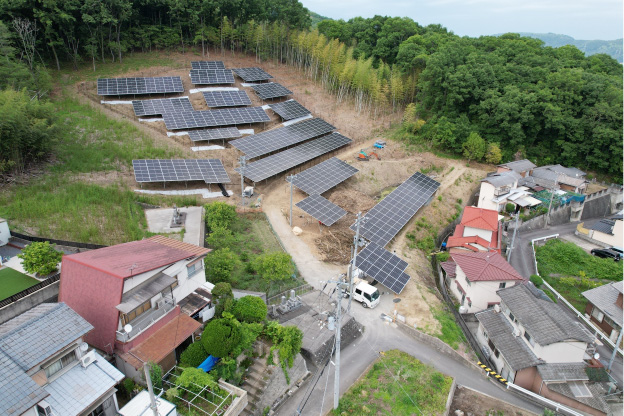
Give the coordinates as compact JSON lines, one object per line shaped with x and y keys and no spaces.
{"x":553,"y":105}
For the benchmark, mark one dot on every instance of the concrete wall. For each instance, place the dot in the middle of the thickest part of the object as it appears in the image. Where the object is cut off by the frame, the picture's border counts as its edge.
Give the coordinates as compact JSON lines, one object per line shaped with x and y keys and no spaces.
{"x":486,"y":194}
{"x":597,"y":207}
{"x":239,"y":404}
{"x":558,"y":216}
{"x":561,"y":352}
{"x":47,"y":294}
{"x":349,"y":332}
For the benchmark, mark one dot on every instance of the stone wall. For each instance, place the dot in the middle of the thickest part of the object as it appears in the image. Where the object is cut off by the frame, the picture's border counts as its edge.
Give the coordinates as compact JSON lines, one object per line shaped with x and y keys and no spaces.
{"x":599,"y":206}
{"x":351,"y":329}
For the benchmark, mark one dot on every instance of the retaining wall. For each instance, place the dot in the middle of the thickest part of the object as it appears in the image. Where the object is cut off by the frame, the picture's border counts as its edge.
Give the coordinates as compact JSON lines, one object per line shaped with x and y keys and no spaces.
{"x":47,"y":294}
{"x":597,"y":207}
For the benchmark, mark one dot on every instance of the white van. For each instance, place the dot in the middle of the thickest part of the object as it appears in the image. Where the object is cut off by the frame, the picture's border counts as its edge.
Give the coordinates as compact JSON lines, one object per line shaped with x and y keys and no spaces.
{"x":366,"y":294}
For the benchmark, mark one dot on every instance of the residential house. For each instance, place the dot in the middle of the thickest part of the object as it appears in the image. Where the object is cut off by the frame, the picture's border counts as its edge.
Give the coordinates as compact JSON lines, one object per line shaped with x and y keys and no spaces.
{"x":502,"y":188}
{"x":609,"y":231}
{"x":130,"y":293}
{"x":604,"y":308}
{"x":559,"y":177}
{"x":478,"y":230}
{"x":46,"y":368}
{"x":475,"y":278}
{"x":522,"y":167}
{"x":534,"y":344}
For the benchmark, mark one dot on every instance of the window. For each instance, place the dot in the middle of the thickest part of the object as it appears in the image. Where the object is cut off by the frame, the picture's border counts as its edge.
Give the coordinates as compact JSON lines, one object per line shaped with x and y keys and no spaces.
{"x":131,"y":316}
{"x":502,"y":285}
{"x":497,"y":353}
{"x":529,"y":338}
{"x":468,"y":282}
{"x":597,"y":314}
{"x":512,"y":318}
{"x":61,"y":363}
{"x":193,"y":269}
{"x":99,"y":411}
{"x":485,"y":335}
{"x":463,"y":298}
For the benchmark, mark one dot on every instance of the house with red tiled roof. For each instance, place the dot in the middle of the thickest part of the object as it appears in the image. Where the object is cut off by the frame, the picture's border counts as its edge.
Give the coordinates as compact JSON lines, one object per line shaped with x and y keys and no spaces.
{"x":479,"y":230}
{"x":474,"y":278}
{"x":130,"y":293}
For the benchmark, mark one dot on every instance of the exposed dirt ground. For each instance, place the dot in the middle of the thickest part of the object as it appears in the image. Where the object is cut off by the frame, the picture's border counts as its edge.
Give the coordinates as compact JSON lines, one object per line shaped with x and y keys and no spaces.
{"x":359,"y":193}
{"x":473,"y":403}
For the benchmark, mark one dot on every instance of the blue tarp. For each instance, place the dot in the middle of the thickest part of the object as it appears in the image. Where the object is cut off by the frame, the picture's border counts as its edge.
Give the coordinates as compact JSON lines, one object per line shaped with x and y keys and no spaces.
{"x":209,"y":363}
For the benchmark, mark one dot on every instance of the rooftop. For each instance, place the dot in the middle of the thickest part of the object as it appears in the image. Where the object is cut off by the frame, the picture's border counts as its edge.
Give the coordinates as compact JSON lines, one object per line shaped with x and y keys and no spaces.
{"x":503,"y":178}
{"x":515,"y":351}
{"x":545,"y":321}
{"x":485,"y":266}
{"x":484,"y":219}
{"x":604,"y":226}
{"x":18,"y":391}
{"x":595,"y":400}
{"x":37,"y":334}
{"x":519,"y":165}
{"x":559,"y":174}
{"x":563,"y":372}
{"x":136,"y":257}
{"x":604,"y":298}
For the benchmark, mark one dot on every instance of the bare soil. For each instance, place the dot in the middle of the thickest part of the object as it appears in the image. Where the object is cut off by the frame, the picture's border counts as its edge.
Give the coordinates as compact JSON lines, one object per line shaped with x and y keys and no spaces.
{"x":473,"y":403}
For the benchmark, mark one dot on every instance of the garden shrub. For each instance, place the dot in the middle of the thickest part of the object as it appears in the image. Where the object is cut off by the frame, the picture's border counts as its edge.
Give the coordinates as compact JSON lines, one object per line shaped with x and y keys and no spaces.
{"x":193,"y":355}
{"x":219,"y":214}
{"x":220,"y":337}
{"x":274,"y":266}
{"x":220,"y":264}
{"x":173,"y":395}
{"x":194,"y":379}
{"x":510,"y":208}
{"x":536,"y":280}
{"x":156,"y":374}
{"x":40,"y":258}
{"x":128,"y":386}
{"x":250,"y":309}
{"x":442,"y":257}
{"x":220,"y":238}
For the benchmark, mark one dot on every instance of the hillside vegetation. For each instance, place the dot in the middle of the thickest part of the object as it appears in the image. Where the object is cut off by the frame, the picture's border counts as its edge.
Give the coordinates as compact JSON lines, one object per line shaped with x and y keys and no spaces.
{"x":612,"y":48}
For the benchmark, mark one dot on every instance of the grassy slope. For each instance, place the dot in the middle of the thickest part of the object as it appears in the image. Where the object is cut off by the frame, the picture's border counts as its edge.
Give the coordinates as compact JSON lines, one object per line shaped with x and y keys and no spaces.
{"x":12,"y":282}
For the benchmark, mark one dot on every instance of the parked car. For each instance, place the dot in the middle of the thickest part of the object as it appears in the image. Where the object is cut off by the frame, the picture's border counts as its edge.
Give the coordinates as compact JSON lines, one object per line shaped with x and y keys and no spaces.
{"x":606,"y":253}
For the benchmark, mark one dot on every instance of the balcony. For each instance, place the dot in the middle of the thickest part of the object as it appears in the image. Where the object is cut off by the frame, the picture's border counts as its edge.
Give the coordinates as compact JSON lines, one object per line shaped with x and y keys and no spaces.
{"x":147,"y":319}
{"x":501,"y":191}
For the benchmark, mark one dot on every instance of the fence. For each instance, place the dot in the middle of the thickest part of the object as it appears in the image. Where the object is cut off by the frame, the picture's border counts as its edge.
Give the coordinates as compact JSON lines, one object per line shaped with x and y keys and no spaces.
{"x":30,"y":290}
{"x":54,"y":241}
{"x":300,"y":290}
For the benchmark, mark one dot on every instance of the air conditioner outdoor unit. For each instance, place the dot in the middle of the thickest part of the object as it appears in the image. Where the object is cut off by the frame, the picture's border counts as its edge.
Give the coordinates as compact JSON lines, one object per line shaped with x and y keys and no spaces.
{"x":87,"y":359}
{"x":160,"y":304}
{"x":516,"y":332}
{"x":44,"y":409}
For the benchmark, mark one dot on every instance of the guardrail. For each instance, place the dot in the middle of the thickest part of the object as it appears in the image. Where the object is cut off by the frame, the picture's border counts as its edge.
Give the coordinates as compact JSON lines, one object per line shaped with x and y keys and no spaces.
{"x":597,"y":332}
{"x":558,"y":407}
{"x":299,"y":290}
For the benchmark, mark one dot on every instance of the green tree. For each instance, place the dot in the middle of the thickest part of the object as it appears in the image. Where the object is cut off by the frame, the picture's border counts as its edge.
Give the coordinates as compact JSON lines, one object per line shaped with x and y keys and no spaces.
{"x":474,"y":147}
{"x":193,"y":355}
{"x":220,"y":264}
{"x":274,"y":266}
{"x":219,"y":215}
{"x":221,"y":337}
{"x":250,"y":309}
{"x":40,"y":258}
{"x":156,"y":374}
{"x":196,"y":379}
{"x":220,"y":238}
{"x":493,"y":154}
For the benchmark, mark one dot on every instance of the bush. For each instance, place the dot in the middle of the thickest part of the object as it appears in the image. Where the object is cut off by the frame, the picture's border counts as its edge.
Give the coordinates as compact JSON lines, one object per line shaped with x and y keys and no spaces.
{"x":536,"y":280}
{"x":195,"y":379}
{"x":274,"y":266}
{"x":193,"y":355}
{"x":442,"y":257}
{"x":128,"y":386}
{"x":250,"y":309}
{"x":220,"y":337}
{"x":156,"y":374}
{"x":223,"y":298}
{"x":220,"y":264}
{"x":173,"y":394}
{"x":510,"y":208}
{"x":220,"y":238}
{"x":226,"y":368}
{"x":40,"y":258}
{"x":219,"y":215}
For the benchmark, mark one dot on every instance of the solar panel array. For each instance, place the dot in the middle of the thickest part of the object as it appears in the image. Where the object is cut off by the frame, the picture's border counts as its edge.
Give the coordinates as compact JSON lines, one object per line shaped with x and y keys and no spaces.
{"x":383,"y":266}
{"x":289,"y":110}
{"x":271,"y":90}
{"x":272,"y":140}
{"x":214,"y":134}
{"x":207,"y":65}
{"x":161,"y":106}
{"x":322,"y":209}
{"x":226,"y":98}
{"x":215,"y":118}
{"x":274,"y":164}
{"x":127,"y":86}
{"x":324,"y":176}
{"x":252,"y":74}
{"x":386,"y":219}
{"x":211,"y":76}
{"x":176,"y":170}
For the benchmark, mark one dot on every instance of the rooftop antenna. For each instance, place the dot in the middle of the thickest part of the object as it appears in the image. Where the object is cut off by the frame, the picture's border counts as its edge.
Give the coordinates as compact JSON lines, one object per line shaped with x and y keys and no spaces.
{"x":134,"y":266}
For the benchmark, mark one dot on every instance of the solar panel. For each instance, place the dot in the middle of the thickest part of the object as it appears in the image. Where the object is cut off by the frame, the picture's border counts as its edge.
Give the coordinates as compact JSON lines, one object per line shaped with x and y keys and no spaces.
{"x":214,"y":134}
{"x":324,"y":176}
{"x":383,"y":266}
{"x":176,"y":170}
{"x":272,"y":140}
{"x":252,"y":74}
{"x":161,"y":106}
{"x":386,"y":219}
{"x":215,"y":118}
{"x":207,"y":65}
{"x":274,"y":164}
{"x":226,"y":98}
{"x":322,"y":209}
{"x":127,"y":86}
{"x":271,"y":90}
{"x":211,"y":76}
{"x":289,"y":110}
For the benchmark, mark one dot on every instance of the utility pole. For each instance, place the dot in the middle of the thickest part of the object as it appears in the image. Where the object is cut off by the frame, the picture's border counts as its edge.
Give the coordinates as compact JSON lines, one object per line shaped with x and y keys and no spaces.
{"x":617,"y":345}
{"x":291,"y":178}
{"x":243,"y":163}
{"x":513,"y":239}
{"x":150,"y":389}
{"x":359,"y":220}
{"x":552,"y":193}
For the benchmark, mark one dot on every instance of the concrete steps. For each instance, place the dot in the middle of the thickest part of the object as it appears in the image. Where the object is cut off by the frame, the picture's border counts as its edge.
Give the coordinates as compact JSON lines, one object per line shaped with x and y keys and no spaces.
{"x":254,"y":385}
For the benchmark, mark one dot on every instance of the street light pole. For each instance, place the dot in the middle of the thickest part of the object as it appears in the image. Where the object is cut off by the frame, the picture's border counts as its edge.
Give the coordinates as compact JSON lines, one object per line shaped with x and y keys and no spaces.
{"x":359,"y":220}
{"x":291,"y":178}
{"x":617,"y":345}
{"x":552,"y":194}
{"x":242,"y":161}
{"x":338,"y":327}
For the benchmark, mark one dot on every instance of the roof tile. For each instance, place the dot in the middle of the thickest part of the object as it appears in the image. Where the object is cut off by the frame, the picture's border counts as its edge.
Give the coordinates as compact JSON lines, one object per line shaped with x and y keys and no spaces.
{"x":485,"y":266}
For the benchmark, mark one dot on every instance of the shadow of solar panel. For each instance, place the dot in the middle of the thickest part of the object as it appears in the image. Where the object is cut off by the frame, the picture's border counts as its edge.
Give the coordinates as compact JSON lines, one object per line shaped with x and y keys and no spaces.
{"x":214,"y":134}
{"x":226,"y":98}
{"x":276,"y":139}
{"x":271,"y":90}
{"x":177,"y":170}
{"x":207,"y":65}
{"x":277,"y":163}
{"x":388,"y":217}
{"x":215,"y":118}
{"x":289,"y":110}
{"x":127,"y":86}
{"x":322,"y":209}
{"x":211,"y":76}
{"x":161,"y":106}
{"x":383,"y":266}
{"x":252,"y":74}
{"x":324,"y":176}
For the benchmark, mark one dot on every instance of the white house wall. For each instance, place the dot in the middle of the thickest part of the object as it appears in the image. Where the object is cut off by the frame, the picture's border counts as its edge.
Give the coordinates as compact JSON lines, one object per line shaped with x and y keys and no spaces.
{"x":5,"y":234}
{"x":133,"y":281}
{"x":480,"y":293}
{"x":485,"y":234}
{"x":187,"y":286}
{"x":613,"y":240}
{"x":486,"y":194}
{"x":561,"y":352}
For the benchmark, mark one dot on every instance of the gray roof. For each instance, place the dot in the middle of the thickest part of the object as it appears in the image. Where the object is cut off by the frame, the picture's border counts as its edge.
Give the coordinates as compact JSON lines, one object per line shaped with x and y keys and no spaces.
{"x":500,"y":331}
{"x":544,"y":320}
{"x":604,"y":226}
{"x":523,"y":165}
{"x":80,"y":387}
{"x":571,"y":172}
{"x":558,"y":173}
{"x":563,"y":372}
{"x":503,"y":178}
{"x":532,"y":182}
{"x":44,"y":331}
{"x":604,"y":298}
{"x":596,"y":401}
{"x":18,"y":391}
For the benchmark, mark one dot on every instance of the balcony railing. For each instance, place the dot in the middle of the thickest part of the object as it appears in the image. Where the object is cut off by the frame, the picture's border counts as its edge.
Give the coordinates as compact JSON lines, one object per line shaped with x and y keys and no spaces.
{"x":501,"y":191}
{"x":147,"y":319}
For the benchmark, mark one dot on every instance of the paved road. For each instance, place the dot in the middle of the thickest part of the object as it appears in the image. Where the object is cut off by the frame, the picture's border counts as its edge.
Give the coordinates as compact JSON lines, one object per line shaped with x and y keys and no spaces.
{"x":522,"y":261}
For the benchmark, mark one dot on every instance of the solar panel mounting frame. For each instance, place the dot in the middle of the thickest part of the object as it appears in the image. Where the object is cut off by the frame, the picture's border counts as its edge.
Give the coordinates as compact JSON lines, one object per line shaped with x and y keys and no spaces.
{"x":322,"y":209}
{"x":289,"y":109}
{"x":216,"y":99}
{"x":179,"y":170}
{"x":139,"y":85}
{"x":324,"y":176}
